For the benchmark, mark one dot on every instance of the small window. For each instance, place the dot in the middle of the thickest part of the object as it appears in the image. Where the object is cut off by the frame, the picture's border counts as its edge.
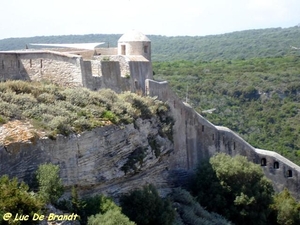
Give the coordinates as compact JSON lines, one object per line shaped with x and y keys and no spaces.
{"x":263,"y":162}
{"x":202,"y":128}
{"x":3,"y":64}
{"x":233,"y":145}
{"x":289,"y":173}
{"x":145,"y":49}
{"x":223,"y":139}
{"x":30,"y":63}
{"x":123,"y":49}
{"x":136,"y":84}
{"x":213,"y":137}
{"x":276,"y":165}
{"x":41,"y":63}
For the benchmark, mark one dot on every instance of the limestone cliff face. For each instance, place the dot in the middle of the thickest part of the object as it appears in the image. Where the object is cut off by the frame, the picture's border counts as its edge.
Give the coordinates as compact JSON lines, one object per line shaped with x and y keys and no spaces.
{"x":96,"y":161}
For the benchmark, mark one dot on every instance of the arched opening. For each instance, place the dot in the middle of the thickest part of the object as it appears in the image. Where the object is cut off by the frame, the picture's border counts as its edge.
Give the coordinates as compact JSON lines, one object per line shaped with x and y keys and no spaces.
{"x":289,"y":173}
{"x":263,"y":162}
{"x":276,"y":165}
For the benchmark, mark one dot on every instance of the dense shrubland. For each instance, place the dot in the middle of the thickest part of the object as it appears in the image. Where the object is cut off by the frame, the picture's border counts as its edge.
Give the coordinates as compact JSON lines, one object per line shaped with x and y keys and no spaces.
{"x":59,"y":110}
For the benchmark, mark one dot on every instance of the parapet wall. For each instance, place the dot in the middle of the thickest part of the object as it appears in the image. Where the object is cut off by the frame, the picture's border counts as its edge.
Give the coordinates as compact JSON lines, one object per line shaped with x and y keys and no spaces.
{"x":119,"y":73}
{"x":107,"y":51}
{"x":196,"y":139}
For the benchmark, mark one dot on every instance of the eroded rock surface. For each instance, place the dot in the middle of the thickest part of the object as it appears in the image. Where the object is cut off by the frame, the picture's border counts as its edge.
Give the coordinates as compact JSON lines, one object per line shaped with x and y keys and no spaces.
{"x":111,"y":159}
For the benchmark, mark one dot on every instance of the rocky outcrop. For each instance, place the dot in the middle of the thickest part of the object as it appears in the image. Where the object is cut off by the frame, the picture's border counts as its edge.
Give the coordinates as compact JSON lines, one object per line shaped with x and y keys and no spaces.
{"x":111,"y":159}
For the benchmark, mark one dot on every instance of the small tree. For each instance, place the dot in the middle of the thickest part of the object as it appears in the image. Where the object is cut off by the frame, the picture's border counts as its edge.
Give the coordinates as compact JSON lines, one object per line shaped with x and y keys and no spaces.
{"x":15,"y":198}
{"x":50,"y":184}
{"x":111,"y":217}
{"x":110,"y":214}
{"x":146,"y":207}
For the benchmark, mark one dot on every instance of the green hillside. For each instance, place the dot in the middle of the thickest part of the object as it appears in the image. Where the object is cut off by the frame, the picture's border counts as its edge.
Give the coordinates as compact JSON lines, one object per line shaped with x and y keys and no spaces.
{"x":237,"y":45}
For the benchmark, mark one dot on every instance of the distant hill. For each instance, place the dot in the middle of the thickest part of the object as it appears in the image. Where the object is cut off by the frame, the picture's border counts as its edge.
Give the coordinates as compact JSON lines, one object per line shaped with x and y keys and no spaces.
{"x":272,"y":42}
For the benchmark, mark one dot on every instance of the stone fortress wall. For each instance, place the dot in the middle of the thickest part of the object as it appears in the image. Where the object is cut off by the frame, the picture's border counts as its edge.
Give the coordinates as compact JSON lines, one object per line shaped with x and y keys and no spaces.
{"x":106,"y":71}
{"x":195,"y":138}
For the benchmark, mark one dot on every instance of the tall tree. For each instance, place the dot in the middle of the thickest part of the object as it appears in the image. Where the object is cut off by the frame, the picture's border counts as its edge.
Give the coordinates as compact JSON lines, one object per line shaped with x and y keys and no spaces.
{"x":235,"y":188}
{"x":50,"y":184}
{"x":146,"y":207}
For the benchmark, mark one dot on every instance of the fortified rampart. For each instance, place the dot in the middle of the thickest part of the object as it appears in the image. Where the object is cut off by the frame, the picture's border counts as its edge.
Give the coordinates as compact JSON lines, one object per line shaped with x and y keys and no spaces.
{"x":120,"y":73}
{"x":196,"y":139}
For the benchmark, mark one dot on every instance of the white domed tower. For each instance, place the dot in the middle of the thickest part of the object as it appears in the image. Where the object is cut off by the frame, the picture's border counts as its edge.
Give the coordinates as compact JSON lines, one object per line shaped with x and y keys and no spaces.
{"x":134,"y":43}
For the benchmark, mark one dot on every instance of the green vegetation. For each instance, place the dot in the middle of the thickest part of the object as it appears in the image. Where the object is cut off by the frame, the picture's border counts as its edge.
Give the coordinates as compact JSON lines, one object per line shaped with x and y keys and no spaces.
{"x":16,"y":198}
{"x":110,"y":214}
{"x":137,"y":156}
{"x":286,"y":208}
{"x":236,"y":45}
{"x":257,"y":98}
{"x":111,"y":217}
{"x":50,"y":184}
{"x":146,"y":207}
{"x":234,"y":188}
{"x":189,"y":211}
{"x":64,"y":111}
{"x":238,"y":190}
{"x":231,"y":187}
{"x":231,"y":46}
{"x":97,"y":209}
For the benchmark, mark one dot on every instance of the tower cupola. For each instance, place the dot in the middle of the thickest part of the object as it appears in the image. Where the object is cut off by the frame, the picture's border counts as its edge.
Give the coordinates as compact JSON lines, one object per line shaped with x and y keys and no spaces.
{"x":134,"y":43}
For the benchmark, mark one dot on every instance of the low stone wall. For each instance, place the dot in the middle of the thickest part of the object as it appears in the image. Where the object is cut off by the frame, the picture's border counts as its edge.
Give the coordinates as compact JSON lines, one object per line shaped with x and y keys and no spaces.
{"x":107,"y":51}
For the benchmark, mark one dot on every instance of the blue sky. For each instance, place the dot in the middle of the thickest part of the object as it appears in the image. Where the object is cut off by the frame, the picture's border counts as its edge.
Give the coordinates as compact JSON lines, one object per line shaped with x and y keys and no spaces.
{"x":26,"y":18}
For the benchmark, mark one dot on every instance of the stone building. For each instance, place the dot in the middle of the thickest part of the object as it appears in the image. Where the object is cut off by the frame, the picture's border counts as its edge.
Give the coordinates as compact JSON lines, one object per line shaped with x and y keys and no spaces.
{"x":123,"y":68}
